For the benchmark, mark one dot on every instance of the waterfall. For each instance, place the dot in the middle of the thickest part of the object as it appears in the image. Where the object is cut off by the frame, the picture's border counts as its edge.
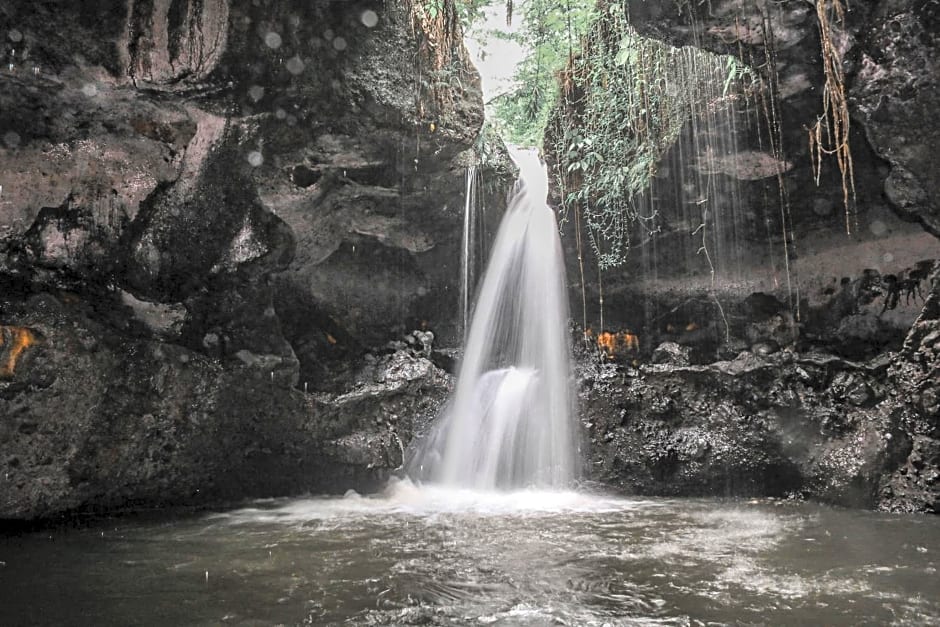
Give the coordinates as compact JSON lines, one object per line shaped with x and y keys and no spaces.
{"x":470,"y":242}
{"x":509,"y":421}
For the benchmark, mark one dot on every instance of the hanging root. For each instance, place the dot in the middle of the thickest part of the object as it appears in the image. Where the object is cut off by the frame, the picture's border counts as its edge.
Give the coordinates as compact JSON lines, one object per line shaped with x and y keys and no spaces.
{"x":830,"y":134}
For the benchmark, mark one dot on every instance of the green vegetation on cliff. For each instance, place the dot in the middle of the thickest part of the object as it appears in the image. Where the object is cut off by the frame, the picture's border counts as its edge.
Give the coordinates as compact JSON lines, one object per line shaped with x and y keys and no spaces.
{"x":623,"y":102}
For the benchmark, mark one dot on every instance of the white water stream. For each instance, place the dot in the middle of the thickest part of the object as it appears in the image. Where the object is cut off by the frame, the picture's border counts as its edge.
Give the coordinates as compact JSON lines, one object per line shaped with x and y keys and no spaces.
{"x":471,"y":245}
{"x":509,"y":423}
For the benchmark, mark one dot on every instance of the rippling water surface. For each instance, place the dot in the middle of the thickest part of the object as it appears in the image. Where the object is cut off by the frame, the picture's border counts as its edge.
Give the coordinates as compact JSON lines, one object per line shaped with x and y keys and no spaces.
{"x":423,"y":556}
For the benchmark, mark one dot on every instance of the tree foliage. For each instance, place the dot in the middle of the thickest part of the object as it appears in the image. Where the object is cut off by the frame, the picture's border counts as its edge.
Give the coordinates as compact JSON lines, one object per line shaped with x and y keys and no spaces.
{"x":625,"y":99}
{"x":551,"y":31}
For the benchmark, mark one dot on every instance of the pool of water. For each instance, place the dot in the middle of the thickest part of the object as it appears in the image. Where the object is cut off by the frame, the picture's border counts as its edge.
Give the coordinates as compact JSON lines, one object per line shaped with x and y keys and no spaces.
{"x":430,"y":556}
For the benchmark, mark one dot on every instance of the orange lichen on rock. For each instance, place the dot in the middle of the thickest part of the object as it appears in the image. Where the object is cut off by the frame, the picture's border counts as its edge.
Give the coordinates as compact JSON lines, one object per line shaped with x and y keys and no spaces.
{"x":607,"y":342}
{"x":613,"y":345}
{"x":13,"y":342}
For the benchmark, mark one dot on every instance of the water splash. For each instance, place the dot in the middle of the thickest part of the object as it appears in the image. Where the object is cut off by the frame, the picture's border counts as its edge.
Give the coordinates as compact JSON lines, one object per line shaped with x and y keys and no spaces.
{"x":509,"y":422}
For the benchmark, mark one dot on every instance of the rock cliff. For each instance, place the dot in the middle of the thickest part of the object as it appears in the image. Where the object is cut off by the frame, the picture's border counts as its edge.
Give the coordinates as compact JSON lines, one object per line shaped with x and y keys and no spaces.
{"x":773,"y":321}
{"x":209,"y":208}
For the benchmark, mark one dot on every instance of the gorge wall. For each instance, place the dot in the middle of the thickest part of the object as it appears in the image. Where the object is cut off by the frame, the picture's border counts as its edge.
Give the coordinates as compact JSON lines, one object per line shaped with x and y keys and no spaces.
{"x":220,"y":218}
{"x":212,"y":213}
{"x":766,"y":326}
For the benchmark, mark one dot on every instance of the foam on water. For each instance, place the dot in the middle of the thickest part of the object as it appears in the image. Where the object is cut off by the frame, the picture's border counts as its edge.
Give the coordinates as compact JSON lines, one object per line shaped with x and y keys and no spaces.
{"x":403,"y":497}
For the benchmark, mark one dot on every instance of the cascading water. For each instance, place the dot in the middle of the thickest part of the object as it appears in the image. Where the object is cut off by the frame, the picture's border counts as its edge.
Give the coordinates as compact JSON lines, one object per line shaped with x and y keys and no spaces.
{"x":509,"y":422}
{"x":471,"y":240}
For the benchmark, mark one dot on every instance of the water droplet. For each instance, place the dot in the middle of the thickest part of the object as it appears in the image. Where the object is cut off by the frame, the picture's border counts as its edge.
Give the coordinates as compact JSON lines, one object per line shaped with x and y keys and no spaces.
{"x":90,"y":90}
{"x":328,"y":34}
{"x":369,"y":18}
{"x":878,"y":228}
{"x":272,"y":40}
{"x":339,"y":43}
{"x":15,"y":36}
{"x":888,"y":257}
{"x":291,"y":120}
{"x":256,"y":92}
{"x":295,"y":65}
{"x":11,"y":139}
{"x":280,"y":114}
{"x":255,"y":158}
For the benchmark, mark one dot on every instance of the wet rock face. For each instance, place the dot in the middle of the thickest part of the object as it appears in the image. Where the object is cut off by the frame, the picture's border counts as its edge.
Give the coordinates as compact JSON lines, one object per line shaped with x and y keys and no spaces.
{"x":820,"y":381}
{"x":788,"y":424}
{"x":207,"y":206}
{"x":890,"y":51}
{"x":165,"y":151}
{"x":914,"y":484}
{"x":95,"y":420}
{"x":896,"y":89}
{"x":855,"y":294}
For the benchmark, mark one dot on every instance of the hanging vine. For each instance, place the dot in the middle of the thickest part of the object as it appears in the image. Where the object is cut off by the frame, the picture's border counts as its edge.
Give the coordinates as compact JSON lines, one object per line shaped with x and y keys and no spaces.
{"x":625,"y":101}
{"x":830,"y":135}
